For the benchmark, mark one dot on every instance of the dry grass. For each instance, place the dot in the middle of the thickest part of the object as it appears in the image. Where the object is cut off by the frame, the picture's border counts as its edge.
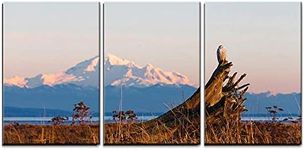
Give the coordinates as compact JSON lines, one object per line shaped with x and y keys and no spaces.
{"x":152,"y":133}
{"x":51,"y":134}
{"x":176,"y":129}
{"x":180,"y":125}
{"x":254,"y":133}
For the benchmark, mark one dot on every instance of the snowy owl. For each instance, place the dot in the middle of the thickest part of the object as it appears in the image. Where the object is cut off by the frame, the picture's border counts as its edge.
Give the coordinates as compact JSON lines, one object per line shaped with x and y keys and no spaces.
{"x":221,"y":54}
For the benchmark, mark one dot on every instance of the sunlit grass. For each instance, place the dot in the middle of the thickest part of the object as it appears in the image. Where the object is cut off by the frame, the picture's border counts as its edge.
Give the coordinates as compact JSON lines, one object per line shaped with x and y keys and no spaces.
{"x":51,"y":134}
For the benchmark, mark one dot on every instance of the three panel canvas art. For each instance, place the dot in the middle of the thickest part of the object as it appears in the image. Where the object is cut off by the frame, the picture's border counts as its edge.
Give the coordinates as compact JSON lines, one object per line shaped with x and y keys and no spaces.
{"x":150,"y":70}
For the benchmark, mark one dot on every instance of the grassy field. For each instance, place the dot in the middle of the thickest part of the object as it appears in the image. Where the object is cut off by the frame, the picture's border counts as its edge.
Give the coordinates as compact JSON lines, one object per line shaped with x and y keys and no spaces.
{"x":152,"y":133}
{"x":180,"y":125}
{"x":51,"y":134}
{"x":254,"y":133}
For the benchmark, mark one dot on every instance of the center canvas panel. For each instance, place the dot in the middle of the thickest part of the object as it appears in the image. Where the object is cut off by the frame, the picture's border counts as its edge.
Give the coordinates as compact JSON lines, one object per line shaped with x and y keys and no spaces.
{"x":51,"y":73}
{"x":151,"y":73}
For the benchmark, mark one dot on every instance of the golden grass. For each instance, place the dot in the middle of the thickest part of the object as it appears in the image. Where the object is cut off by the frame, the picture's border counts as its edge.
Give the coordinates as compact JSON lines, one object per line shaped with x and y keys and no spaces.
{"x":177,"y":131}
{"x":51,"y":134}
{"x":254,"y":133}
{"x":179,"y":125}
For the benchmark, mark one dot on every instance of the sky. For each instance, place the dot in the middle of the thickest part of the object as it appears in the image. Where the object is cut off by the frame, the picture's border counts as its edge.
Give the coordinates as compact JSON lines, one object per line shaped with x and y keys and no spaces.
{"x":263,"y":41}
{"x":48,"y":37}
{"x":165,"y":35}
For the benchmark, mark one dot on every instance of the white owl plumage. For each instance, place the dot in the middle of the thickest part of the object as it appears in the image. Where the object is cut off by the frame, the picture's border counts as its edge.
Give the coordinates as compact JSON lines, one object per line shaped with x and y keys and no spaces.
{"x":221,"y":54}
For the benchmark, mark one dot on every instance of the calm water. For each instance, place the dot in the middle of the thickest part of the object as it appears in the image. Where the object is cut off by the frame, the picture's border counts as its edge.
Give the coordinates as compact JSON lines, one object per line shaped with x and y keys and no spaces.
{"x":95,"y":120}
{"x":267,"y":118}
{"x":46,"y":120}
{"x":40,"y":120}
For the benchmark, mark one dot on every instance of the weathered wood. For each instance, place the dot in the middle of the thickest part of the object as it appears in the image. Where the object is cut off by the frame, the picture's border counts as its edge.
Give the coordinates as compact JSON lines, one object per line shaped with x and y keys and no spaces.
{"x":191,"y":108}
{"x":224,"y":102}
{"x":213,"y":88}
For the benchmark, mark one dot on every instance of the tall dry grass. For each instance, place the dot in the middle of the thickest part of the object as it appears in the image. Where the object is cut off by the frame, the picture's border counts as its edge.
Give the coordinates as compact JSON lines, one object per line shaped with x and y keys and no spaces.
{"x":174,"y":128}
{"x":51,"y":134}
{"x":180,"y":125}
{"x":251,"y":132}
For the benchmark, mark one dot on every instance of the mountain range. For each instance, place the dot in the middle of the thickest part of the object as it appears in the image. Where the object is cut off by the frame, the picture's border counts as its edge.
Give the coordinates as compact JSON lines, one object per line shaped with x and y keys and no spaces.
{"x":139,"y":86}
{"x":147,"y":89}
{"x":119,"y":71}
{"x":83,"y":74}
{"x":142,"y":88}
{"x":56,"y":91}
{"x":256,"y":103}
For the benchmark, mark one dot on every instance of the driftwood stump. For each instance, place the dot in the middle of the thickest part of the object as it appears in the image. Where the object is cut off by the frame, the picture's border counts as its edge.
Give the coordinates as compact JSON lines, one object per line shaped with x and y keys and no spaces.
{"x":224,"y":102}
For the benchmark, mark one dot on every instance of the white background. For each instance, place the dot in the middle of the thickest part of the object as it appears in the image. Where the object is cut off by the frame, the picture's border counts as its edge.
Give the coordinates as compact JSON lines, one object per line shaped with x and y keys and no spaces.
{"x":147,"y":147}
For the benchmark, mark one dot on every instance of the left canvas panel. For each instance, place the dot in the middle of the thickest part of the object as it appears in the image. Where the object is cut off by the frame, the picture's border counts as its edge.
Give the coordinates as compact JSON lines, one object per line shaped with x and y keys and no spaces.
{"x":51,"y":73}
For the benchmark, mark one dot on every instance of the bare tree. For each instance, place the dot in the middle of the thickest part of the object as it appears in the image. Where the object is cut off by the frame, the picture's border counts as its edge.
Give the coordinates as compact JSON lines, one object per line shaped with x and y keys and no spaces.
{"x":114,"y":115}
{"x":273,"y":111}
{"x":58,"y":120}
{"x":119,"y":115}
{"x":81,"y":113}
{"x":131,"y":115}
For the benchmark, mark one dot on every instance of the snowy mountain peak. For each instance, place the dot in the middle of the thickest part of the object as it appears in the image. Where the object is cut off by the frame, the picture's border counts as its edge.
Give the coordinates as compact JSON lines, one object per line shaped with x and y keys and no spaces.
{"x":93,"y":65}
{"x":114,"y":60}
{"x":149,"y":67}
{"x":119,"y":71}
{"x":85,"y":66}
{"x":85,"y":73}
{"x":16,"y":80}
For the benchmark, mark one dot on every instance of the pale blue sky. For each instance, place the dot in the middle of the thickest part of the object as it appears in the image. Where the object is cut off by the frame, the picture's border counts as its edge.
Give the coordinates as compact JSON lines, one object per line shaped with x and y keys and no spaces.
{"x":163,"y":34}
{"x":263,"y":40}
{"x":48,"y":37}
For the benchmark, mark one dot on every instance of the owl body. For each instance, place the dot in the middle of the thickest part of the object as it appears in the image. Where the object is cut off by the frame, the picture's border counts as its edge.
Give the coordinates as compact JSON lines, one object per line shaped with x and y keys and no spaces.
{"x":221,"y":54}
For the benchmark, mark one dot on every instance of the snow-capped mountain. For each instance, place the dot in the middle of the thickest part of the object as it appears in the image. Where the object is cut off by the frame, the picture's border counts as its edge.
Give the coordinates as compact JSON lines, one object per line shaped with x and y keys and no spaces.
{"x":83,"y":74}
{"x":119,"y":71}
{"x":145,"y":89}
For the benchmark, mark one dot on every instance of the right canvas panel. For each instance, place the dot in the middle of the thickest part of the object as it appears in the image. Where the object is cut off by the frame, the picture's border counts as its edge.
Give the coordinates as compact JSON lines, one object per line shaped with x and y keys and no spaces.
{"x":253,"y":73}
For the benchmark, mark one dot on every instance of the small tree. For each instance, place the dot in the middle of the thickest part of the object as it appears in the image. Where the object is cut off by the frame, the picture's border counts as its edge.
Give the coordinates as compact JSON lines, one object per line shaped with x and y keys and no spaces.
{"x":114,"y":115}
{"x":58,"y":120}
{"x":119,"y":115}
{"x":273,"y":111}
{"x":131,"y":115}
{"x":81,"y":112}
